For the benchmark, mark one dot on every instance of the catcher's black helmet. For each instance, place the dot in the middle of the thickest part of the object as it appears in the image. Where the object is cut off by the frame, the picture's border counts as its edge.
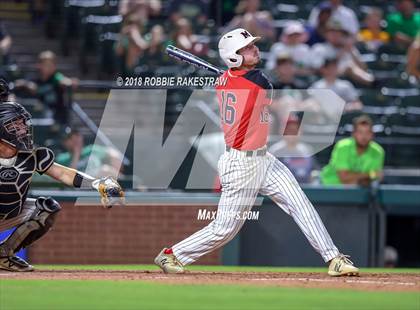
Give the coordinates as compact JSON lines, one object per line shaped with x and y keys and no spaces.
{"x":15,"y":126}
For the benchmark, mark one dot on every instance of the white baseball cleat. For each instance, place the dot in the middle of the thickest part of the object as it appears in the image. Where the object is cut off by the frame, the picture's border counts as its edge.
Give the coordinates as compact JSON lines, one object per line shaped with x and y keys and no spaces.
{"x":15,"y":263}
{"x":168,"y":263}
{"x":342,"y":266}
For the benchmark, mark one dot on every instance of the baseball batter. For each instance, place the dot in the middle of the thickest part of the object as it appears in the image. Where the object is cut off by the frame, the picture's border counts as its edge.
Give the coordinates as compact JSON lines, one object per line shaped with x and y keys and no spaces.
{"x":246,"y":168}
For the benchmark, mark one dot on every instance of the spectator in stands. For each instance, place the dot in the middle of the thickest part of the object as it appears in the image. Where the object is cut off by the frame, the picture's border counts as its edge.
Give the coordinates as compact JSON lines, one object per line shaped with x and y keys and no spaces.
{"x":343,"y":88}
{"x":139,"y":10}
{"x":339,"y":12}
{"x":196,"y":10}
{"x":356,"y":160}
{"x":99,"y":159}
{"x":316,"y":32}
{"x":131,"y":44}
{"x":292,"y":42}
{"x":5,"y":44}
{"x":250,"y":17}
{"x":288,"y":95}
{"x":285,"y":73}
{"x":413,"y":58}
{"x":340,"y":44}
{"x":154,"y":55}
{"x":373,"y":36}
{"x":224,"y":16}
{"x":50,"y":87}
{"x":157,"y":37}
{"x":184,"y":38}
{"x":38,"y":9}
{"x":292,"y":152}
{"x":404,"y":24}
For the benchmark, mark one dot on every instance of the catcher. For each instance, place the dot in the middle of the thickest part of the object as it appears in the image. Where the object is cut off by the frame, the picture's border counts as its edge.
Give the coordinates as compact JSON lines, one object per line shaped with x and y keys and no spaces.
{"x":19,"y":160}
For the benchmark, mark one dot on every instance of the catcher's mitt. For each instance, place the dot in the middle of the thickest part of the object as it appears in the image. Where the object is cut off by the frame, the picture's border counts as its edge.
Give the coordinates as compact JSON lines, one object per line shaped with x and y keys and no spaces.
{"x":111,"y":192}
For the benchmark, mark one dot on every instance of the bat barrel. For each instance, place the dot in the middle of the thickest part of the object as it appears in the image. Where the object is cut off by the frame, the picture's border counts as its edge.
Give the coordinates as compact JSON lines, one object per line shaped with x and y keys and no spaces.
{"x":191,"y":59}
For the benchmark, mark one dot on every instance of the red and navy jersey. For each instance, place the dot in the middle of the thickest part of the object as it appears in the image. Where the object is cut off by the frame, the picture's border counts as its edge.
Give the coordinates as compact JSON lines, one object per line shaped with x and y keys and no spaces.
{"x":16,"y":178}
{"x":243,"y":102}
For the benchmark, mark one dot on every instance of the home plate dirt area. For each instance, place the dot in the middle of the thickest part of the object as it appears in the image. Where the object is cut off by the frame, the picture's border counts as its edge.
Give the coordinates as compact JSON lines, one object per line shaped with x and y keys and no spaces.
{"x":367,"y":281}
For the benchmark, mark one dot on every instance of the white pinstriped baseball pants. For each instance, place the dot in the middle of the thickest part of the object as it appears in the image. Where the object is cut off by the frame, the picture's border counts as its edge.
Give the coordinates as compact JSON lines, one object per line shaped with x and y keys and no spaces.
{"x":242,"y":178}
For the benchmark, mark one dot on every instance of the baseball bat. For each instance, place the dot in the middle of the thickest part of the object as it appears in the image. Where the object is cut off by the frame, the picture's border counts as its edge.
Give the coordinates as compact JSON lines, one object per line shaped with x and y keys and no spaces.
{"x":184,"y":56}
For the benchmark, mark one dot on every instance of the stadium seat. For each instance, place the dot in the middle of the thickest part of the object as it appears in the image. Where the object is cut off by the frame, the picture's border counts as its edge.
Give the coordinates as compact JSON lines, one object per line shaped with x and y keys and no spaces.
{"x":74,"y":11}
{"x":403,"y":155}
{"x":292,"y":11}
{"x":395,"y":82}
{"x":54,"y":17}
{"x":411,"y":101}
{"x":400,"y":92}
{"x":374,"y":97}
{"x":92,"y":28}
{"x":392,"y":49}
{"x":362,"y":48}
{"x":107,"y":59}
{"x":405,"y":124}
{"x":384,"y":64}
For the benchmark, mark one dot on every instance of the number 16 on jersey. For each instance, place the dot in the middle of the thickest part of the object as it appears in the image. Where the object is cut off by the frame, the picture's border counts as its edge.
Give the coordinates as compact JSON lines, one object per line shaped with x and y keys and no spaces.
{"x":227,"y":108}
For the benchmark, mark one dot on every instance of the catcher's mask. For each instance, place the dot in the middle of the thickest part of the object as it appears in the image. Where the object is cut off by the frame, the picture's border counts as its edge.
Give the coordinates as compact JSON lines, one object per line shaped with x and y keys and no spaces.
{"x":15,"y":126}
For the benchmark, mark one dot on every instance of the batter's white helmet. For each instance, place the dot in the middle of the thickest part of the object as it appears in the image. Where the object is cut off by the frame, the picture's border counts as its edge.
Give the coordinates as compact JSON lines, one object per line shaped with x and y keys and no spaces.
{"x":231,"y":42}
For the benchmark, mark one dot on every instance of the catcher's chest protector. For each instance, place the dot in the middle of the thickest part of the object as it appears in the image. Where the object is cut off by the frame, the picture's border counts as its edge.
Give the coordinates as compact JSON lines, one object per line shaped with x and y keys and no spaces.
{"x":16,"y":178}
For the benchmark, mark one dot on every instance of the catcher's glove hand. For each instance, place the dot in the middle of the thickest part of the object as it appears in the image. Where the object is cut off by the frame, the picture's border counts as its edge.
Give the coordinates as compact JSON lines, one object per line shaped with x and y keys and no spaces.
{"x":111,"y":192}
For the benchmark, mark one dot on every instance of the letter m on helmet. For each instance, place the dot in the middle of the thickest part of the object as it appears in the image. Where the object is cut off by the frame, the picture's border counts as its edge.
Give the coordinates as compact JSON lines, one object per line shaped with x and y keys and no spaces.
{"x":246,"y":34}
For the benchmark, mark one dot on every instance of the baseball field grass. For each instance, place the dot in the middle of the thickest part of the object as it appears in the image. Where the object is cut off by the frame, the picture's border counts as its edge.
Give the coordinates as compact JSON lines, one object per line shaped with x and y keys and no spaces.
{"x":144,"y":287}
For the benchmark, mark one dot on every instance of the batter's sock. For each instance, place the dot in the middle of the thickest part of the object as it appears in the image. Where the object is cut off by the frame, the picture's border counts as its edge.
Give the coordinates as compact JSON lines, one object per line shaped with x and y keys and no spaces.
{"x":168,"y":251}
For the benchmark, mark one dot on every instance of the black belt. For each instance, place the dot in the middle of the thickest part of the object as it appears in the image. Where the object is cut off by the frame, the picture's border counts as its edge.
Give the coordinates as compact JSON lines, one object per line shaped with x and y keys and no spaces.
{"x":261,"y":152}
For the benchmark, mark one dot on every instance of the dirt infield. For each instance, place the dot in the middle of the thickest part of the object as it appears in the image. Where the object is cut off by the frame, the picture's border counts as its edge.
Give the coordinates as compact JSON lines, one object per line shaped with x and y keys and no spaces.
{"x":367,"y":281}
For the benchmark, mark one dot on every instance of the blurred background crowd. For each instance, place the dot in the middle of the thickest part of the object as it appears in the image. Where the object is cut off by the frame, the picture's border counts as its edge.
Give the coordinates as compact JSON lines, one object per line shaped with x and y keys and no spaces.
{"x":62,"y":57}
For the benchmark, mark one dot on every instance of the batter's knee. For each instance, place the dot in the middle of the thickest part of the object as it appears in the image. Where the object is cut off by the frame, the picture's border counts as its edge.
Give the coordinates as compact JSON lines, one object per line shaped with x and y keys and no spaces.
{"x":221,"y":231}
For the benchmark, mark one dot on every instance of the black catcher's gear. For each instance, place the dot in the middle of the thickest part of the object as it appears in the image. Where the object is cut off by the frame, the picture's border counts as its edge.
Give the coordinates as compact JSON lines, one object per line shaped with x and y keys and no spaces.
{"x":16,"y":178}
{"x":15,"y":263}
{"x":15,"y":126}
{"x":39,"y":223}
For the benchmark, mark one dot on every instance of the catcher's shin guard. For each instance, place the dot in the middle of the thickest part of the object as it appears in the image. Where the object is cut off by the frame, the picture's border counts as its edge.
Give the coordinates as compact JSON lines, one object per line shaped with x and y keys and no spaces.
{"x":28,"y":232}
